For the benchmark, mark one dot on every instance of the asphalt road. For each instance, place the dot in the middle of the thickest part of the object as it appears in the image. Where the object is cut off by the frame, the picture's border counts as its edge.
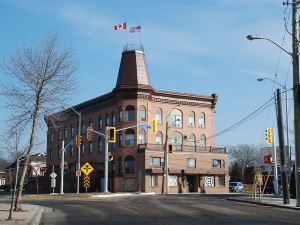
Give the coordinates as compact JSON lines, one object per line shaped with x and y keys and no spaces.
{"x":162,"y":210}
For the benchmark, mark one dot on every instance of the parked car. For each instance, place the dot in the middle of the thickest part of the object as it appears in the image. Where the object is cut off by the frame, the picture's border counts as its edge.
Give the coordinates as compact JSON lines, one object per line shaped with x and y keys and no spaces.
{"x":236,"y":187}
{"x":270,"y":188}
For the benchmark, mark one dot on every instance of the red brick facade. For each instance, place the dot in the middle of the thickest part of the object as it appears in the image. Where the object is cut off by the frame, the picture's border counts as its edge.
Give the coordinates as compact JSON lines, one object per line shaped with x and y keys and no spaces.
{"x":138,"y":157}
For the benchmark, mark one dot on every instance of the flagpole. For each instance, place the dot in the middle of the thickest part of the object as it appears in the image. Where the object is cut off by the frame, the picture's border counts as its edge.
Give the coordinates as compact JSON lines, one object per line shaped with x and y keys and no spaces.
{"x":125,"y":35}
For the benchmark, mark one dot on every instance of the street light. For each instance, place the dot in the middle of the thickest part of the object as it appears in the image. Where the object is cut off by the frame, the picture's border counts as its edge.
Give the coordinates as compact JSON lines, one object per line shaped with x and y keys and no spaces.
{"x":295,"y":60}
{"x":286,"y":117}
{"x":79,"y":133}
{"x":166,"y":158}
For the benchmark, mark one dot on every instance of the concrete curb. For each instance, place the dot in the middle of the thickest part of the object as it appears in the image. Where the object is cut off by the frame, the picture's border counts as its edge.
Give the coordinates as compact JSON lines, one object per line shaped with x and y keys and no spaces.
{"x":262,"y":203}
{"x":37,"y":217}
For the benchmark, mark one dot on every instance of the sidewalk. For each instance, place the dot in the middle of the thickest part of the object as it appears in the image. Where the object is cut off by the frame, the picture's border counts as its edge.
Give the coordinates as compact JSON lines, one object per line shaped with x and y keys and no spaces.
{"x":31,"y":215}
{"x":267,"y":201}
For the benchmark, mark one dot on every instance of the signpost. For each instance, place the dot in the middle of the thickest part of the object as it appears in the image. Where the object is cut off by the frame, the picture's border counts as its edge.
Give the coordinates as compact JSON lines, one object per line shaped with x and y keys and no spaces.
{"x":53,"y":175}
{"x":86,"y":169}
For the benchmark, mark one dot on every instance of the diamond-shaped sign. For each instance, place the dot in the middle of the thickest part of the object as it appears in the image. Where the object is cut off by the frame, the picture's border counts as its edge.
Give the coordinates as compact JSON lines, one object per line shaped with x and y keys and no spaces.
{"x":53,"y":175}
{"x":87,"y":168}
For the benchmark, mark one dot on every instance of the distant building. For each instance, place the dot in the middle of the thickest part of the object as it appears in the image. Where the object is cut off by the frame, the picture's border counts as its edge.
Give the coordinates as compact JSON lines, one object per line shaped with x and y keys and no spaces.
{"x":2,"y":178}
{"x":196,"y":165}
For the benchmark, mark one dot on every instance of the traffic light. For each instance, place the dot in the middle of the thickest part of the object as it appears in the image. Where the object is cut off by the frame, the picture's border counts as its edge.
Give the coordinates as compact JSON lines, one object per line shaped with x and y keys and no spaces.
{"x":269,"y":135}
{"x":154,"y":125}
{"x":268,"y":159}
{"x":110,"y":157}
{"x":89,"y":133}
{"x":170,"y":148}
{"x":112,"y":135}
{"x":78,"y":140}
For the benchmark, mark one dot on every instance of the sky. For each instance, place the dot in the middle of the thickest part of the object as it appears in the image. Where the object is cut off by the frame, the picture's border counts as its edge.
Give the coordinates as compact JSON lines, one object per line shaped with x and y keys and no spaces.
{"x":195,"y":46}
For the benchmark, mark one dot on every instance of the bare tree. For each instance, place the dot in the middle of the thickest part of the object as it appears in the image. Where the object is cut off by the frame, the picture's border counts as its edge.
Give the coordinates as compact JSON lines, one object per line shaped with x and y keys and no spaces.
{"x":245,"y":155}
{"x":40,"y":81}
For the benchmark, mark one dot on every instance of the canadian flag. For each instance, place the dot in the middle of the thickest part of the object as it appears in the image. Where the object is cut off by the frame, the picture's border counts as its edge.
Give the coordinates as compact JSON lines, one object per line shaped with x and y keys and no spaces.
{"x":121,"y":26}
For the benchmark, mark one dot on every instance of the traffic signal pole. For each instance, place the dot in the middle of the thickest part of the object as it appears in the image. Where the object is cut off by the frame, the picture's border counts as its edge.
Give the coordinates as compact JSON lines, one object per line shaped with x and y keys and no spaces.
{"x":106,"y":161}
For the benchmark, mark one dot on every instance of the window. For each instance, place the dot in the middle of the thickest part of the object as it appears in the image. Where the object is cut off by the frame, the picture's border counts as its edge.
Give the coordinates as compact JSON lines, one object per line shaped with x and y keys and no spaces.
{"x":175,"y":118}
{"x":129,"y":164}
{"x":218,"y":163}
{"x":129,"y":137}
{"x":58,"y":152}
{"x":59,"y":135}
{"x":120,"y":138}
{"x":176,"y":140}
{"x":202,"y":120}
{"x":50,"y":154}
{"x":99,"y":122}
{"x":202,"y":143}
{"x":191,"y":163}
{"x":222,"y":180}
{"x":156,"y":162}
{"x":51,"y":136}
{"x":90,"y":147}
{"x":82,"y":149}
{"x":142,"y":134}
{"x":100,"y":147}
{"x":72,"y":130}
{"x":65,"y":132}
{"x":106,"y":119}
{"x":72,"y":152}
{"x":120,"y":114}
{"x":192,"y":119}
{"x":192,"y":143}
{"x":113,"y":118}
{"x":90,"y":123}
{"x":159,"y":140}
{"x":82,"y":127}
{"x":130,"y":113}
{"x":153,"y":180}
{"x":158,"y":115}
{"x":142,"y":113}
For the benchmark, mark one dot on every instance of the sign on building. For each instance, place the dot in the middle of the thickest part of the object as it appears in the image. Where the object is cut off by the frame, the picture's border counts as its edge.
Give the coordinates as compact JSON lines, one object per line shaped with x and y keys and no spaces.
{"x":209,"y":181}
{"x":173,"y":180}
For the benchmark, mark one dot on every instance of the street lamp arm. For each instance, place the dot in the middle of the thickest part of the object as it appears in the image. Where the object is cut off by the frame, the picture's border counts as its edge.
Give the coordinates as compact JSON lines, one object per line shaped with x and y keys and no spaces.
{"x":251,"y":38}
{"x":266,"y":78}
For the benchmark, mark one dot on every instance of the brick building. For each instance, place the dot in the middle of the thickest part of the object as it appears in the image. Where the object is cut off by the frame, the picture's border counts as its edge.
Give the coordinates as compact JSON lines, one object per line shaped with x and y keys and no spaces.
{"x":196,"y":165}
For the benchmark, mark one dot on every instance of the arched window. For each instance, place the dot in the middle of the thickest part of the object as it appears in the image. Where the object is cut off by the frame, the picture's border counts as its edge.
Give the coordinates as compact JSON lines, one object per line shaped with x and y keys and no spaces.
{"x":120,"y":114}
{"x":120,"y":138}
{"x":99,"y":122}
{"x":142,"y":135}
{"x":175,"y":118}
{"x":192,"y":142}
{"x":159,"y":140}
{"x":100,"y":144}
{"x":129,"y":137}
{"x":90,"y":123}
{"x":158,"y":115}
{"x":202,"y":142}
{"x":106,"y":119}
{"x":176,"y":140}
{"x":129,"y":164}
{"x":130,"y":113}
{"x":142,"y":113}
{"x":113,"y":118}
{"x":191,"y":119}
{"x":202,"y":120}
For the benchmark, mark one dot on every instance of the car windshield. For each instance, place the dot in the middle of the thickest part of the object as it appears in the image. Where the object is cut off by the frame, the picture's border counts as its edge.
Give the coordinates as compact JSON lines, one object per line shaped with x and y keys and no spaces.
{"x":233,"y":184}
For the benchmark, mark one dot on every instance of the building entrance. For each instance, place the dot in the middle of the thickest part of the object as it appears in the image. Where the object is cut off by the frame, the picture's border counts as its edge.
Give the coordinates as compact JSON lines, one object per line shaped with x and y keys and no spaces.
{"x":191,"y":183}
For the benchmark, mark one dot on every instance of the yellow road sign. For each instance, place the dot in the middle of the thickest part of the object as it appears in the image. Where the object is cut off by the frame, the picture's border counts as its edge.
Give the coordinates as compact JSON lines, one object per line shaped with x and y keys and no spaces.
{"x":86,"y":182}
{"x":87,"y":168}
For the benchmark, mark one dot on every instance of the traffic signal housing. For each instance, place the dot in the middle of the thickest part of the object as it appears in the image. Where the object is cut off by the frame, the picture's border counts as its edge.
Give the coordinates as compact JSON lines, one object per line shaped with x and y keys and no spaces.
{"x":89,"y":133}
{"x":170,"y":148}
{"x":154,"y":125}
{"x":269,"y":135}
{"x":78,"y":140}
{"x":112,"y":135}
{"x":110,"y":157}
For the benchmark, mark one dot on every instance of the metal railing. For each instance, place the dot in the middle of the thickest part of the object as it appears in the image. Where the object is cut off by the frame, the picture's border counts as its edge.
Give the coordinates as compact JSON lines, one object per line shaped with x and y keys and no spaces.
{"x":183,"y":148}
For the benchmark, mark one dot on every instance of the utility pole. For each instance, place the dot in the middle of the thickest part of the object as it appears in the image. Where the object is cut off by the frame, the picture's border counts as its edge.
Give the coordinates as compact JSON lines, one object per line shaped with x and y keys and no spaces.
{"x":275,"y":163}
{"x":284,"y":177}
{"x":106,"y":161}
{"x":62,"y":167}
{"x":296,"y":96}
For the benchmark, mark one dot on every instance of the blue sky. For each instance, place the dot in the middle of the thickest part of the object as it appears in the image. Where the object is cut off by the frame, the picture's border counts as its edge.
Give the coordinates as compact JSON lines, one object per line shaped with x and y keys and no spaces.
{"x":191,"y":46}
